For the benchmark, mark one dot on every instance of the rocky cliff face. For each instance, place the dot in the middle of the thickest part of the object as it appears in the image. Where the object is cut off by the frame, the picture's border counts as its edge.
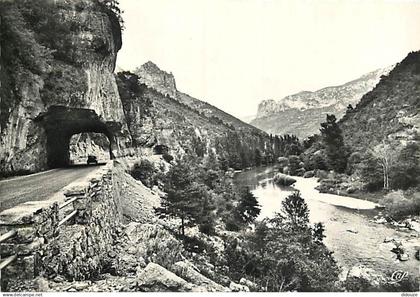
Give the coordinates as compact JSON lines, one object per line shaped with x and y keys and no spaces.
{"x":390,"y":111}
{"x":54,"y":53}
{"x":168,"y":117}
{"x":302,"y":113}
{"x":185,"y":124}
{"x":152,"y":76}
{"x":164,"y":83}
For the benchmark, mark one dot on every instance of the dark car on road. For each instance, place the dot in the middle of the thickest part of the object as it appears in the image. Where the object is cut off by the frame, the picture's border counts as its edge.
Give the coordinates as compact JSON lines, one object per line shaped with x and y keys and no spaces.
{"x":92,"y":160}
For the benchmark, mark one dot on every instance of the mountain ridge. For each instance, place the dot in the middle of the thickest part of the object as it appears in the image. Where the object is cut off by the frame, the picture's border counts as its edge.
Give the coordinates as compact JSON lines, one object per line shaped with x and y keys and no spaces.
{"x":165,"y":83}
{"x":307,"y":109}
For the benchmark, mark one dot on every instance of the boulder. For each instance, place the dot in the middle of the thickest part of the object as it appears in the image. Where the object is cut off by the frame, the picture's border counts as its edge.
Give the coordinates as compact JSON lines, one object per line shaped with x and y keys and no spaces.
{"x":283,"y":179}
{"x":381,"y":221}
{"x":362,"y":275}
{"x":351,"y":190}
{"x":238,"y":288}
{"x":388,"y":239}
{"x":403,"y":257}
{"x":42,"y":284}
{"x":189,"y":272}
{"x":309,"y":174}
{"x":155,"y":278}
{"x":251,"y":285}
{"x":413,"y":225}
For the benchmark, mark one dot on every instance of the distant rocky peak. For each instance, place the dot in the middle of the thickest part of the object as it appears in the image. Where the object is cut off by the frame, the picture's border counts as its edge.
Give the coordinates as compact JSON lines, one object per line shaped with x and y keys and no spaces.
{"x":337,"y":97}
{"x":152,"y":76}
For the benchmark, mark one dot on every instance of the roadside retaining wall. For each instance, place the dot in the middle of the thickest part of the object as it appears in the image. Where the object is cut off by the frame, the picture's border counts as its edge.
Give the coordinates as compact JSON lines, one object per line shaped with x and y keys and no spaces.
{"x":52,"y":243}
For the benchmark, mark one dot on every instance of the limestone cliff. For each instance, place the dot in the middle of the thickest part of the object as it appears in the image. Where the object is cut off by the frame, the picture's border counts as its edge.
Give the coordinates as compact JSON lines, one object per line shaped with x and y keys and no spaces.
{"x":57,"y":81}
{"x":302,"y":113}
{"x":152,"y":76}
{"x":156,"y":118}
{"x":54,"y":53}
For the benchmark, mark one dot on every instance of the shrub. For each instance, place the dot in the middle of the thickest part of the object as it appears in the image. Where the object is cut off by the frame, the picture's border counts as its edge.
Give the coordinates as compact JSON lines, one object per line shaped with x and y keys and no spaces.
{"x":161,"y":149}
{"x":207,"y":228}
{"x":283,"y":161}
{"x":232,"y":225}
{"x":194,"y":244}
{"x":354,"y":160}
{"x":300,"y":172}
{"x":294,"y":164}
{"x":398,"y":205}
{"x":144,"y":171}
{"x":168,"y":158}
{"x":309,"y":174}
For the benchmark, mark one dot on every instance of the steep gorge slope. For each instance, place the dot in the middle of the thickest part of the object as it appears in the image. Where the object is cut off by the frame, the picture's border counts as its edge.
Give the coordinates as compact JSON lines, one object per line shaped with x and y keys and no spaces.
{"x":152,"y":76}
{"x":390,"y":112}
{"x":155,"y":117}
{"x":301,"y":113}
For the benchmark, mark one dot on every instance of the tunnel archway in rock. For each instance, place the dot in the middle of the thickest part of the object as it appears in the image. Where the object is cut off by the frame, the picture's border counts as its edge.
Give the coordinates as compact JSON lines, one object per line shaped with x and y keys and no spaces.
{"x":61,"y":123}
{"x":87,"y":144}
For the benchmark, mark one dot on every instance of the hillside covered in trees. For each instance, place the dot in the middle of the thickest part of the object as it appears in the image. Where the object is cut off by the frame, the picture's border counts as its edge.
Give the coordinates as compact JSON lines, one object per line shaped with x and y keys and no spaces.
{"x":375,"y":147}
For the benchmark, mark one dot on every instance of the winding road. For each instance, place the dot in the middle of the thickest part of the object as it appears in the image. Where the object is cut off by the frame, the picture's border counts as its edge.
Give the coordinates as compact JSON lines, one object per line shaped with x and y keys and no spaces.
{"x":39,"y":186}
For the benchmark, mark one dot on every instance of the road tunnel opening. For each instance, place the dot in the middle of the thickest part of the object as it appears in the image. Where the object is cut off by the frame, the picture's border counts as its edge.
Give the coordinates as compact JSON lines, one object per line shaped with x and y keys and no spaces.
{"x":61,"y":123}
{"x":87,"y":146}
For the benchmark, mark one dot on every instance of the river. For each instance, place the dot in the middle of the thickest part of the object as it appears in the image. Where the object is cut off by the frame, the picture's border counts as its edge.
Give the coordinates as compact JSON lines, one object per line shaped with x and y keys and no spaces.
{"x":350,"y":232}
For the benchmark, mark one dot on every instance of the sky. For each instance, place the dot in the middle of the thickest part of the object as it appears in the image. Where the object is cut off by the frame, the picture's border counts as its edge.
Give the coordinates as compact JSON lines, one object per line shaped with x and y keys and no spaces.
{"x":236,"y":53}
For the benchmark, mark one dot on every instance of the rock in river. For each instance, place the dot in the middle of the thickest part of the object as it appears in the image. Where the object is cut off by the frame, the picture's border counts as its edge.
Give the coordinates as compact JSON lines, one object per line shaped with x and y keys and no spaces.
{"x":283,"y":179}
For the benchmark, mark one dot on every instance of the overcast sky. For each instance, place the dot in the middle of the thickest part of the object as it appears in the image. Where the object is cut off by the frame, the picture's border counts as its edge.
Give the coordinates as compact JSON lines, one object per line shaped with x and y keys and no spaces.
{"x":235,"y":53}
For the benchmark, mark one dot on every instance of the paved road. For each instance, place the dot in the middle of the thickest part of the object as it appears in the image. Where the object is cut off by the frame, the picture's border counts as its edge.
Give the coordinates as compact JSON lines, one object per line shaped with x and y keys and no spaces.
{"x":39,"y":186}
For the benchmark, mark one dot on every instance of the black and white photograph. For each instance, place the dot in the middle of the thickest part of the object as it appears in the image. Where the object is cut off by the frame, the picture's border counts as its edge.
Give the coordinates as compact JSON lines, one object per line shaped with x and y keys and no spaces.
{"x":196,"y":146}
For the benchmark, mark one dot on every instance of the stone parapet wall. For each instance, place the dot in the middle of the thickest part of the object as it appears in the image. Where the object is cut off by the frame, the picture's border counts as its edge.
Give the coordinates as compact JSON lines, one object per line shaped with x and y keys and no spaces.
{"x":48,"y":245}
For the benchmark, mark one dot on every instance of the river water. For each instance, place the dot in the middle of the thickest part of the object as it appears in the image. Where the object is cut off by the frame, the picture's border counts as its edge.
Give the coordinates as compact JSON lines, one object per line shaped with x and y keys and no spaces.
{"x":350,"y":232}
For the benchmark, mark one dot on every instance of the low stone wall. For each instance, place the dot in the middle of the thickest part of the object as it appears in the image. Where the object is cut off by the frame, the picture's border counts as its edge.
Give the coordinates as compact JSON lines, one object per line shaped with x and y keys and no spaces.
{"x":75,"y":249}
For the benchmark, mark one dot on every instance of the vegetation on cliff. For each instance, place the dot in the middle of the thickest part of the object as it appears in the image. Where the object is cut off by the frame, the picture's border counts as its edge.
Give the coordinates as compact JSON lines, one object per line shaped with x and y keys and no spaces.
{"x":375,"y":147}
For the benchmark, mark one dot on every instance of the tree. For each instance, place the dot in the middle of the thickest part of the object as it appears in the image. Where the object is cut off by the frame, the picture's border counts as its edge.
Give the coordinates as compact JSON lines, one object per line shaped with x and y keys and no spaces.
{"x":406,"y":171}
{"x":386,"y":156}
{"x":258,"y":157}
{"x":296,"y":209}
{"x":334,"y":144}
{"x":184,"y":198}
{"x":318,"y":232}
{"x":144,"y":171}
{"x":248,"y":207}
{"x":294,"y":164}
{"x":284,"y":253}
{"x":371,"y":172}
{"x":206,"y":218}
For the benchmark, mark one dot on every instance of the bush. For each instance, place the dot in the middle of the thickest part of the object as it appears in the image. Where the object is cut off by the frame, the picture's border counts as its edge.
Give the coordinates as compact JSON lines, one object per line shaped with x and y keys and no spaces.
{"x":398,"y":205}
{"x":294,"y":164}
{"x":309,"y":174}
{"x":194,"y":244}
{"x":207,"y":228}
{"x":354,"y":160}
{"x":168,"y":158}
{"x":300,"y":172}
{"x":144,"y":171}
{"x":232,"y":225}
{"x":161,"y":149}
{"x":283,"y":161}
